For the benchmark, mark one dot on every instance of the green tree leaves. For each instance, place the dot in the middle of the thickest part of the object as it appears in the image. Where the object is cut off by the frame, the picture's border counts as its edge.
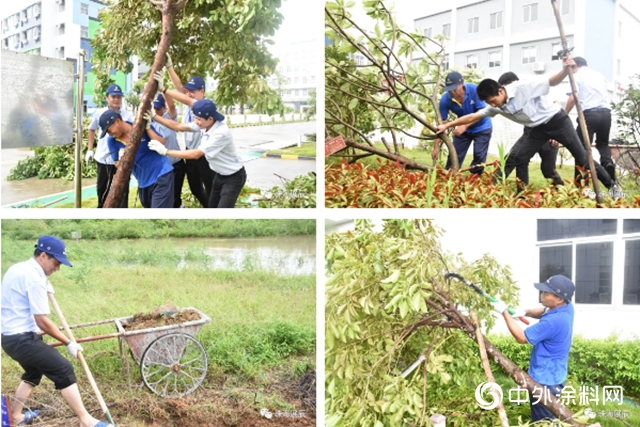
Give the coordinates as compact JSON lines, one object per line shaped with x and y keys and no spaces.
{"x":224,"y":39}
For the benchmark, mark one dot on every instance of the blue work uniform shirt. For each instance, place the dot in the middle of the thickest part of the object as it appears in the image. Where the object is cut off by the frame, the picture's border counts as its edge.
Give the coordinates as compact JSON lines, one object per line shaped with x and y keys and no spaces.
{"x":551,"y":340}
{"x":148,"y":165}
{"x":470,"y":104}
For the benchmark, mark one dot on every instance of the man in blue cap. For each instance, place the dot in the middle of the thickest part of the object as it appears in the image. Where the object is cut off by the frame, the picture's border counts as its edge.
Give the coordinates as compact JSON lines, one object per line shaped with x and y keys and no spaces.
{"x":106,"y":168}
{"x":167,"y":109}
{"x":25,"y":313}
{"x":154,"y":173}
{"x":461,"y":99}
{"x":216,"y":147}
{"x":199,"y":175}
{"x":551,"y":338}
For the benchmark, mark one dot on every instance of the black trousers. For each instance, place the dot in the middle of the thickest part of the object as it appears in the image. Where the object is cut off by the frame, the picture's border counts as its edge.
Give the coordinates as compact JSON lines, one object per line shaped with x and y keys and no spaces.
{"x":548,"y":156}
{"x":560,"y":129}
{"x":226,"y":189}
{"x":179,"y":171}
{"x":105,"y":179}
{"x":200,"y":179}
{"x":38,"y":359}
{"x":598,"y":121}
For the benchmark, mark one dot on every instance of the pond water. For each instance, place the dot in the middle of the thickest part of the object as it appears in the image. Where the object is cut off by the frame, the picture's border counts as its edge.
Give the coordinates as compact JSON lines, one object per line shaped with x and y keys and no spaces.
{"x":287,"y":255}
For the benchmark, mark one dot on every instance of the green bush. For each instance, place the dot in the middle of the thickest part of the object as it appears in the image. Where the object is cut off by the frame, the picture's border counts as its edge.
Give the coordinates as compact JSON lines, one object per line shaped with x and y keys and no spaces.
{"x":591,"y":361}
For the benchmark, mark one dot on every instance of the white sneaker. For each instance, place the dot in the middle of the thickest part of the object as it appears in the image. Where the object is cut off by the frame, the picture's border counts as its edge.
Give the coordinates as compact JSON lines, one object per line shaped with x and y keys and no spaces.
{"x":616,"y":192}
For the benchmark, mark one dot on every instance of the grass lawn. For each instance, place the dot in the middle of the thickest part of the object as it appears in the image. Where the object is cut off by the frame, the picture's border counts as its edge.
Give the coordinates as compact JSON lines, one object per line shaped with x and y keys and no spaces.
{"x":307,"y":149}
{"x":260,"y":341}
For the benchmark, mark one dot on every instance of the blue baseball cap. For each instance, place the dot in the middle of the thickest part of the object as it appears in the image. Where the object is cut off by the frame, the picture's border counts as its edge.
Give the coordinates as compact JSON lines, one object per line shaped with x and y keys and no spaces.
{"x":107,"y":119}
{"x":159,"y":102}
{"x":558,"y":285}
{"x":195,"y":83}
{"x":206,"y":108}
{"x":54,"y":247}
{"x":452,"y":81}
{"x":114,"y":90}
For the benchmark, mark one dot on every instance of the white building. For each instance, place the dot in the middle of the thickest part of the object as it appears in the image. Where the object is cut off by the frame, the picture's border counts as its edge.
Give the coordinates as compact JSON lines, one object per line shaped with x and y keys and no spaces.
{"x":522,"y":36}
{"x":297,"y":66}
{"x":601,"y":256}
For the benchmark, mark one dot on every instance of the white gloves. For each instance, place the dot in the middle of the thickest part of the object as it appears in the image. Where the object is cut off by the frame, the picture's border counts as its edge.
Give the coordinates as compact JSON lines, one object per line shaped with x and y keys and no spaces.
{"x":73,"y":348}
{"x":50,"y":288}
{"x":169,"y":63}
{"x":149,"y":115}
{"x":120,"y":153}
{"x":519,"y":312}
{"x":89,"y":156}
{"x":159,"y":76}
{"x":499,"y":307}
{"x":158,"y":147}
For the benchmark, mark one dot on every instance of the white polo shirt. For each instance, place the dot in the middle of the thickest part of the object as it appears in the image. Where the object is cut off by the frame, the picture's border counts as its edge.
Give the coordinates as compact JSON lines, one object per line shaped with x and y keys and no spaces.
{"x":592,"y":89}
{"x":24,"y":293}
{"x":191,"y":139}
{"x":218,"y":148}
{"x":526,"y":103}
{"x":102,"y":154}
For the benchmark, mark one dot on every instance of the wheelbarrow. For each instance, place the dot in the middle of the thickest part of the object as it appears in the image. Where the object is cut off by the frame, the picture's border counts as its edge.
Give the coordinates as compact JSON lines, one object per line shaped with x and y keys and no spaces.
{"x":172,"y":361}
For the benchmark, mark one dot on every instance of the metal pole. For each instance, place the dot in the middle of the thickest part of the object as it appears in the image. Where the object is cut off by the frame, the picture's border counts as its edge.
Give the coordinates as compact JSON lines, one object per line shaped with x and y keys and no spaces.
{"x":78,"y":153}
{"x":581,"y":120}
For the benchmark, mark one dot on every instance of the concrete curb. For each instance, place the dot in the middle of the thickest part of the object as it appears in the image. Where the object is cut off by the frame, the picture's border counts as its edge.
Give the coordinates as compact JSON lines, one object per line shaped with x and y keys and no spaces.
{"x":288,"y":156}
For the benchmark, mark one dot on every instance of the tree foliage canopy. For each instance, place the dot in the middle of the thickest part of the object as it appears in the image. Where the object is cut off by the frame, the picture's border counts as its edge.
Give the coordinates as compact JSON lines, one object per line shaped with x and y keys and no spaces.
{"x":226,"y":39}
{"x":386,"y":302}
{"x":389,"y":79}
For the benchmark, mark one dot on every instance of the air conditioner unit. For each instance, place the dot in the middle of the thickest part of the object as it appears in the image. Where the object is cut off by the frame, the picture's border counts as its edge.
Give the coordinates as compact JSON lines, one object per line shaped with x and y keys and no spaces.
{"x":538,"y":67}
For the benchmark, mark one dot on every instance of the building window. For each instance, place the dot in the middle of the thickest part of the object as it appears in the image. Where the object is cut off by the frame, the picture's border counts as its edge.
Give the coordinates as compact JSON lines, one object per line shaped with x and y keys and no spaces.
{"x":555,"y":260}
{"x":495,"y":20}
{"x":446,"y":30}
{"x":565,"y":7}
{"x":631,"y":226}
{"x":60,"y":52}
{"x":84,"y":31}
{"x":60,"y":29}
{"x":631,"y":293}
{"x":305,"y":92}
{"x":555,"y":48}
{"x":594,"y":272}
{"x":427,"y":32}
{"x":84,"y":8}
{"x":473,"y":25}
{"x":472,"y":61}
{"x":530,"y":12}
{"x":494,"y":58}
{"x":553,"y":229}
{"x":288,"y":68}
{"x":529,"y":54}
{"x":295,"y":80}
{"x":445,"y":62}
{"x":60,"y":5}
{"x":313,"y":79}
{"x":304,"y":80}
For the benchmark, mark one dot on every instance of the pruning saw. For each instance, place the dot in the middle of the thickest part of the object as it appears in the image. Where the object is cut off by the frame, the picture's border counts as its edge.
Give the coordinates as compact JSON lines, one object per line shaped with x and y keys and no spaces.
{"x":481,"y":292}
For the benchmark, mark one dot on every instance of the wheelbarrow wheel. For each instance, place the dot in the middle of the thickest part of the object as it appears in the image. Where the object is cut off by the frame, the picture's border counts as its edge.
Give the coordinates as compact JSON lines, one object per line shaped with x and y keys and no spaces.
{"x":173,"y":365}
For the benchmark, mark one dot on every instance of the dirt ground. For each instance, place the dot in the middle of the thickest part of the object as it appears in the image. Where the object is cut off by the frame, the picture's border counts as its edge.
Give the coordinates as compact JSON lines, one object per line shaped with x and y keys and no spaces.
{"x":156,"y":320}
{"x":228,"y":403}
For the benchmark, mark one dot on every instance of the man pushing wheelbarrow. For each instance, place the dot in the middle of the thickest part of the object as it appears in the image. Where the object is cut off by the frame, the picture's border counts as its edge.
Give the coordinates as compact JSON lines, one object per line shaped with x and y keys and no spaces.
{"x":25,"y":313}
